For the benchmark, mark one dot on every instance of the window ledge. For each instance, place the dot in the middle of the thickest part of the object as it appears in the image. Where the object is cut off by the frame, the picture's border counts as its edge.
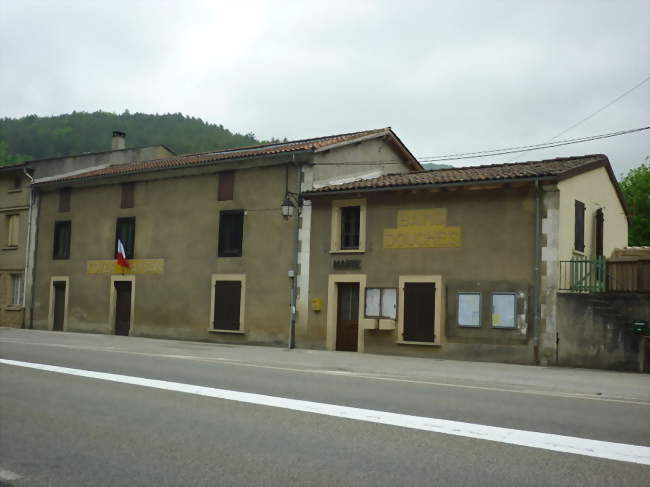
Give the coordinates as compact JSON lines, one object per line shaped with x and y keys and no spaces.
{"x":10,"y":247}
{"x":426,"y":344}
{"x":14,"y":307}
{"x":350,"y":251}
{"x":233,"y":332}
{"x":15,"y":190}
{"x":579,"y":253}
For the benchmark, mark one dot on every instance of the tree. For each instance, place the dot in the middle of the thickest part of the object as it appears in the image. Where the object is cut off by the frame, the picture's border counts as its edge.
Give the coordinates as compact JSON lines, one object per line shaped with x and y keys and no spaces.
{"x":636,"y":188}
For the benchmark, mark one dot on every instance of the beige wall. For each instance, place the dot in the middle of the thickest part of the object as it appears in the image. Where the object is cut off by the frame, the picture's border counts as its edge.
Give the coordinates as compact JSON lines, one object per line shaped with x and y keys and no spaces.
{"x":495,"y":255}
{"x":595,"y":190}
{"x":12,"y":259}
{"x":176,"y":221}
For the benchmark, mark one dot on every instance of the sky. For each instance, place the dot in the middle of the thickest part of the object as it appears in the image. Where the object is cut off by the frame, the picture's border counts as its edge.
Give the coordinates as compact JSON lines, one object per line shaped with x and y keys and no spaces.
{"x":448,"y":77}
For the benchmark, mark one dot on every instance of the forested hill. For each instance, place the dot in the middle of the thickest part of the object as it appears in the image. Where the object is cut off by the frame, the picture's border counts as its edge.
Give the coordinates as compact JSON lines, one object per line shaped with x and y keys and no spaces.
{"x":34,"y":137}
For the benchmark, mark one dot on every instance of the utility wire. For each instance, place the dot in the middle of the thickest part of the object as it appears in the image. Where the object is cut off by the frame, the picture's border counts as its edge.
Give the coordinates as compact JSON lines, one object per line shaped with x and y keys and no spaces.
{"x":615,"y":100}
{"x":496,"y":152}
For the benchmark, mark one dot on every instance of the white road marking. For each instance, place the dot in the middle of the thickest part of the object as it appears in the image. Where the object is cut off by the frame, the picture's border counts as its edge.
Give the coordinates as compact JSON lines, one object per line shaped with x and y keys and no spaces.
{"x":8,"y":475}
{"x":353,"y":375}
{"x":568,"y":444}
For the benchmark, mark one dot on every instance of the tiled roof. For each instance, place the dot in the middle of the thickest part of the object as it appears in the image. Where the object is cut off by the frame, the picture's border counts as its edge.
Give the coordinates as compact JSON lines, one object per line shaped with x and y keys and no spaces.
{"x":561,"y":167}
{"x":226,"y":154}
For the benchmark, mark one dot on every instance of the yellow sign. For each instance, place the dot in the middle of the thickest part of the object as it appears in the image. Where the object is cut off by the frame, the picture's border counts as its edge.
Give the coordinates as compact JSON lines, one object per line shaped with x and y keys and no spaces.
{"x":419,"y":229}
{"x":138,"y":266}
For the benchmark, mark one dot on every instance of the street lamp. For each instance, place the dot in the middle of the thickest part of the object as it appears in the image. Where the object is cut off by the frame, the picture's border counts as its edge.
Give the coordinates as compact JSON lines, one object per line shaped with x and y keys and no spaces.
{"x":291,"y":203}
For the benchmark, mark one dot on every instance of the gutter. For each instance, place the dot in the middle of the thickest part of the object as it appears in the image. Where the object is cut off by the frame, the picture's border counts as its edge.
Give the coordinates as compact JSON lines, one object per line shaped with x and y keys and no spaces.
{"x":430,"y":185}
{"x":27,"y":246}
{"x":536,"y":273}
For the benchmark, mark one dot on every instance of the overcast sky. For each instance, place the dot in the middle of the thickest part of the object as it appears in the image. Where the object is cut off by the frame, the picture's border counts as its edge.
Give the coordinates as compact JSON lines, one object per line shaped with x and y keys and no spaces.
{"x":448,"y":76}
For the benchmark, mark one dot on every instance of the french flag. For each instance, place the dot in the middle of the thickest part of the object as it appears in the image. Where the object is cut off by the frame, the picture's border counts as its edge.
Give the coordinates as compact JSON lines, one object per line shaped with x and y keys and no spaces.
{"x":121,"y":255}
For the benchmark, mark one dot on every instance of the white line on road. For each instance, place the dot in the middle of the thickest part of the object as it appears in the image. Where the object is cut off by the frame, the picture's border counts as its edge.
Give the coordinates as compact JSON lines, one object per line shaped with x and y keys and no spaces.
{"x":353,"y":375}
{"x":8,"y":475}
{"x":546,"y":441}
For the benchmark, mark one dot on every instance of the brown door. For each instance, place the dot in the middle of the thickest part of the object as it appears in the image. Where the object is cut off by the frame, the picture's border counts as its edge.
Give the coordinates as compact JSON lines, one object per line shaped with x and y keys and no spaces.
{"x":59,"y":305}
{"x":419,"y":311}
{"x":227,"y":301}
{"x":347,"y":317}
{"x":122,"y":307}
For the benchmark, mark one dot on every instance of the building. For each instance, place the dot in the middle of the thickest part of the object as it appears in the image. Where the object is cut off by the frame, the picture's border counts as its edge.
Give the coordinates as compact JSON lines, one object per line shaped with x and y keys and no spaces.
{"x":213,"y":249}
{"x":462,"y":263}
{"x":19,"y":210}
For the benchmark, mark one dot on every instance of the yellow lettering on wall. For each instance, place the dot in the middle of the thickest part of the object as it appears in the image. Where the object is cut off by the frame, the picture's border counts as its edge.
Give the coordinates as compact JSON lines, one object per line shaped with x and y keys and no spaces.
{"x":418,"y":229}
{"x":138,"y":266}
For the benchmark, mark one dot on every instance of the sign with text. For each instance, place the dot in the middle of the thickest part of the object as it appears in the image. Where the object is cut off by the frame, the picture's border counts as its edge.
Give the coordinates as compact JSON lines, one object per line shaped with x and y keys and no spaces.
{"x":422,"y":229}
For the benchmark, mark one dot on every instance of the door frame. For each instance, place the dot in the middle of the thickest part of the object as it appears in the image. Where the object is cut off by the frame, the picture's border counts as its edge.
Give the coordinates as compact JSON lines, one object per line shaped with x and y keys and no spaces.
{"x":50,"y":316}
{"x":113,"y":301}
{"x":439,"y":311}
{"x":332,"y":311}
{"x":242,"y":301}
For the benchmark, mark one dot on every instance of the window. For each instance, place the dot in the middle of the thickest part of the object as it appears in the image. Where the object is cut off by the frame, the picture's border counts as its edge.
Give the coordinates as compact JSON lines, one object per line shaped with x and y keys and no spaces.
{"x":504,"y":307}
{"x":128,"y":195}
{"x":64,"y":200}
{"x":226,"y":185}
{"x":579,"y":226}
{"x":348,"y":226}
{"x":12,"y":230}
{"x":350,"y":220}
{"x":231,"y":233}
{"x":17,"y":289}
{"x":62,"y":235}
{"x":125,"y":232}
{"x":381,"y":303}
{"x":469,"y":309}
{"x":17,"y":183}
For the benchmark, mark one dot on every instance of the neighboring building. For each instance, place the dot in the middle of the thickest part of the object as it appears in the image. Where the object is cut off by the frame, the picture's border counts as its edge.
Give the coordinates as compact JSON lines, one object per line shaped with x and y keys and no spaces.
{"x":212,"y":257}
{"x":19,"y":211}
{"x":457,"y":263}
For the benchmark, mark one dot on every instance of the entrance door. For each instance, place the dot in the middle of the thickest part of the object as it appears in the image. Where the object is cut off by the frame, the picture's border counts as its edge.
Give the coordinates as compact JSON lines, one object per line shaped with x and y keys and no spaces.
{"x":227,"y":303}
{"x":419,"y":311}
{"x":122,"y":307}
{"x":347,"y":317}
{"x":59,"y":305}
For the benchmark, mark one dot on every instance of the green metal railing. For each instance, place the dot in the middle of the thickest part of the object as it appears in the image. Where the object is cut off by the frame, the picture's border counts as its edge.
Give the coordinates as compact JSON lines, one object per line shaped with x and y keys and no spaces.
{"x":584,"y":274}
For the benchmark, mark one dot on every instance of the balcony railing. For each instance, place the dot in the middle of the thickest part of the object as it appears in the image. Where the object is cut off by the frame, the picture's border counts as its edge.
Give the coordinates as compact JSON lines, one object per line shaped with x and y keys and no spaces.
{"x":584,"y":274}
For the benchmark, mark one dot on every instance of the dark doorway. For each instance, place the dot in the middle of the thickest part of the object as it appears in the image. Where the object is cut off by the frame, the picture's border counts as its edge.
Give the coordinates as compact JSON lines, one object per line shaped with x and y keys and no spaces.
{"x":347,"y":317}
{"x":122,"y":307}
{"x":59,"y":305}
{"x":227,"y":303}
{"x":419,"y":311}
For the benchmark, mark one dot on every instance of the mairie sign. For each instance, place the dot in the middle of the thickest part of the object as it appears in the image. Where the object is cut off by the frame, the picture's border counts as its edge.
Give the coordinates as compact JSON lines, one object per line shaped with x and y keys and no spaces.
{"x":419,"y":229}
{"x":138,"y":266}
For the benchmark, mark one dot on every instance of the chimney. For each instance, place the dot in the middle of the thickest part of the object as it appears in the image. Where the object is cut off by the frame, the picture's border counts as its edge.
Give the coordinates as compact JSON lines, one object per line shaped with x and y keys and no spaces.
{"x":119,"y":140}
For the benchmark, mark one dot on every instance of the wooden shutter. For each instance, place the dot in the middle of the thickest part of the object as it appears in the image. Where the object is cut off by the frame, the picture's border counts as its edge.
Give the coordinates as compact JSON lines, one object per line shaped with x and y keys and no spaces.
{"x":128,"y":195}
{"x":64,"y":200}
{"x":419,"y":311}
{"x":227,"y":302}
{"x":600,"y":220}
{"x":579,"y":226}
{"x":226,"y":185}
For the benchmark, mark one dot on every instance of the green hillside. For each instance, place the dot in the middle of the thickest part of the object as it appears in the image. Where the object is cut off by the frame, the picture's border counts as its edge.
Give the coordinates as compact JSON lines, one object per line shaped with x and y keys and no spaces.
{"x":34,"y":137}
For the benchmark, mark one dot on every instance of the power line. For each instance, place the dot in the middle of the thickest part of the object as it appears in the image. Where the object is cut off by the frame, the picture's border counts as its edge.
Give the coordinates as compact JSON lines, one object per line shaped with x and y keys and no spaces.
{"x":496,"y":152}
{"x":615,"y":100}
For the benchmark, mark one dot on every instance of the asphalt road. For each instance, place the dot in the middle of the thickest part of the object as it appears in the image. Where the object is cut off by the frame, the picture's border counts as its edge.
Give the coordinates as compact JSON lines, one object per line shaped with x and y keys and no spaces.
{"x":63,"y":430}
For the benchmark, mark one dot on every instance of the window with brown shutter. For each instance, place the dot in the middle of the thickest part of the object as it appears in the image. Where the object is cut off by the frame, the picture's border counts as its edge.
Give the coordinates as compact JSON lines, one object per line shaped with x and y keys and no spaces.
{"x":600,"y":221}
{"x":128,"y":196}
{"x":579,"y":240}
{"x":226,"y":186}
{"x":64,"y":200}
